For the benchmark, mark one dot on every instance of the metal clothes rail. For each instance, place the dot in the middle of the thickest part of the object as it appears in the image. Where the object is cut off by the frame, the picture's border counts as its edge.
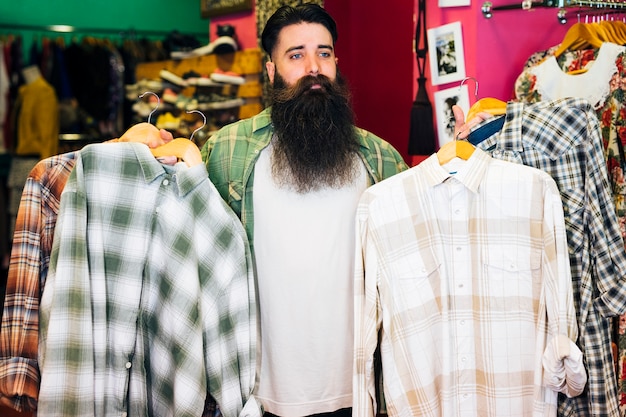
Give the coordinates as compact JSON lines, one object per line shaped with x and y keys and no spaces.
{"x":129,"y":33}
{"x":580,"y":6}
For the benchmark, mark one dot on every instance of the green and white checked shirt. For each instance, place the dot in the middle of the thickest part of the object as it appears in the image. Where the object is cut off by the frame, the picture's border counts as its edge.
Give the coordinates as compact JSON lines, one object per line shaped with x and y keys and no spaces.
{"x":149,"y":305}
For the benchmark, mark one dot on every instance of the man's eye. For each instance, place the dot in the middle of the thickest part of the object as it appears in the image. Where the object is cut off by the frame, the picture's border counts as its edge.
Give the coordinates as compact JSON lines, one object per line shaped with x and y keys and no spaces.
{"x":295,"y":56}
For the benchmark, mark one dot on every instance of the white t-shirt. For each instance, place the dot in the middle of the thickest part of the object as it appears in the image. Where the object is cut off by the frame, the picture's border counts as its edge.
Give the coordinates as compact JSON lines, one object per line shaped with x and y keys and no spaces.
{"x":304,"y":252}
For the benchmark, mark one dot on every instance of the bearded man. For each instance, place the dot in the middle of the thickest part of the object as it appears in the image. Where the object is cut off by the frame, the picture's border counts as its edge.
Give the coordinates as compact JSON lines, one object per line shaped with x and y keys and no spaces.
{"x":294,"y":174}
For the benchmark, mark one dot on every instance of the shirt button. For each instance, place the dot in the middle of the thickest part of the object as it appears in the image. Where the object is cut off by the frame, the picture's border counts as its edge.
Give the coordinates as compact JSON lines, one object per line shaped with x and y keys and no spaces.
{"x":460,"y":285}
{"x":166,"y":182}
{"x":128,"y":365}
{"x":462,"y":322}
{"x":458,"y":248}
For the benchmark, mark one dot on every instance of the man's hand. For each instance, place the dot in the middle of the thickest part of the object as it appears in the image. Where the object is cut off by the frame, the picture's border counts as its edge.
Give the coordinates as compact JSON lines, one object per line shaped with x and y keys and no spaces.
{"x":146,"y":133}
{"x":461,"y":128}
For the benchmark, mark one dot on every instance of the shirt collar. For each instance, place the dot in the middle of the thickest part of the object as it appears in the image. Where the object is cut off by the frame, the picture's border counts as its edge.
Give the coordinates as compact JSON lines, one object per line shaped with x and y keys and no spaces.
{"x":469,"y":173}
{"x":185,"y":178}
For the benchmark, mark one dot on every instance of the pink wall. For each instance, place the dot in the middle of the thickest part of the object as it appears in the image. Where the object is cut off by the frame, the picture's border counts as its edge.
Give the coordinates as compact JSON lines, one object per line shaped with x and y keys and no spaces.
{"x":497,"y":48}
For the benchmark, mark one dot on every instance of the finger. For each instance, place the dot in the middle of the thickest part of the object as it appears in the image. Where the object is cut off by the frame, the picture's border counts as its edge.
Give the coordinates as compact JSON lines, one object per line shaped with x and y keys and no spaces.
{"x":166,"y":135}
{"x":459,"y":116}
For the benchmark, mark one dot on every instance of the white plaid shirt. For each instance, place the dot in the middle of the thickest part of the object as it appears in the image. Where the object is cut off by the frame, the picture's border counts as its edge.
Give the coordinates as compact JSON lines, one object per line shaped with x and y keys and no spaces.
{"x":149,"y":305}
{"x":465,"y":278}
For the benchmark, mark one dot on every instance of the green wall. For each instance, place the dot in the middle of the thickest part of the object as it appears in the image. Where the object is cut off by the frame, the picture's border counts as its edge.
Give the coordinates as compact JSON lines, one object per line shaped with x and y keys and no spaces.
{"x":155,"y":17}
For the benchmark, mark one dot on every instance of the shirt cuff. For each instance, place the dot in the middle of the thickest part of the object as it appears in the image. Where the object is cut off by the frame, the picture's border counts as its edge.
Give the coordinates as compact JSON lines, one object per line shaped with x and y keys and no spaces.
{"x":252,"y":408}
{"x":563,"y":367}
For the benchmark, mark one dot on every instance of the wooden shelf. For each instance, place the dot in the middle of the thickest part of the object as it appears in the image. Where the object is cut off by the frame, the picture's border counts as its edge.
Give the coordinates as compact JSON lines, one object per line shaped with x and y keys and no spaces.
{"x":246,"y":62}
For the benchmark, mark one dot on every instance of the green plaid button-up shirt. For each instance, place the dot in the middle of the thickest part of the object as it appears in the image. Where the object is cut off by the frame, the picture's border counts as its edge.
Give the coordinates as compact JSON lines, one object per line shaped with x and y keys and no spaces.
{"x":231,"y":154}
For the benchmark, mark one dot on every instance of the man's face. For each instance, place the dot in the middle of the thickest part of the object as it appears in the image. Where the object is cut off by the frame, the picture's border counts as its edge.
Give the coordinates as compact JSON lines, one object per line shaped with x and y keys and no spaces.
{"x":315,"y":143}
{"x":303,"y":49}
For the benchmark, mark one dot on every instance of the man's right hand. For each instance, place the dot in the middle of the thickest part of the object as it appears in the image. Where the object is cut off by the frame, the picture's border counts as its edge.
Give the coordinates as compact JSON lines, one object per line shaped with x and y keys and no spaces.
{"x":146,"y":133}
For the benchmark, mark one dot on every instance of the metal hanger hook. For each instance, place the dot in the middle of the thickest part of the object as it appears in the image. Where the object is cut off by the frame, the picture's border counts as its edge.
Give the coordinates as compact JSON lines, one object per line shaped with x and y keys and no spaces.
{"x":204,"y":124}
{"x":158,"y":102}
{"x":475,"y":89}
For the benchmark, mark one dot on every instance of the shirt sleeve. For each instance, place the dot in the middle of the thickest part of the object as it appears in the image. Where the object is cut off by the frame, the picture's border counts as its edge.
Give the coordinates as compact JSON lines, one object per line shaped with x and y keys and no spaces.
{"x":19,"y":373}
{"x":367,"y":318}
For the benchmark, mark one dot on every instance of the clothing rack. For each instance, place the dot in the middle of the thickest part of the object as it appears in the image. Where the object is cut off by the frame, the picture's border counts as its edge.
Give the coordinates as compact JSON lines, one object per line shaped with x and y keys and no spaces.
{"x":129,"y":33}
{"x":581,"y":6}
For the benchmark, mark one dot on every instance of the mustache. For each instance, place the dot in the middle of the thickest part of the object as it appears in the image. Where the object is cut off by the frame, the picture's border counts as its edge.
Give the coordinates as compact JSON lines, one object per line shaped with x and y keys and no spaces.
{"x":305,"y":86}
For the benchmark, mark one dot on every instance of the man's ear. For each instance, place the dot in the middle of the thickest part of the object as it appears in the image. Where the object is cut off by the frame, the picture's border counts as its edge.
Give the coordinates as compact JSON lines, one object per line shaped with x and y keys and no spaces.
{"x":271,"y":69}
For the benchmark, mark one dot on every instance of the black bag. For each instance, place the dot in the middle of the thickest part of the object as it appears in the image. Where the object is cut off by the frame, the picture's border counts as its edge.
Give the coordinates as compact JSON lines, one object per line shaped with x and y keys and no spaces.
{"x":422,"y":139}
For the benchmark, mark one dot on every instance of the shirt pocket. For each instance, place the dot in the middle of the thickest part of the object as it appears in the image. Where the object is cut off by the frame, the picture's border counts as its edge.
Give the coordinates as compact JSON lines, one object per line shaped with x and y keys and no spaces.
{"x":512,"y":283}
{"x":417,"y":285}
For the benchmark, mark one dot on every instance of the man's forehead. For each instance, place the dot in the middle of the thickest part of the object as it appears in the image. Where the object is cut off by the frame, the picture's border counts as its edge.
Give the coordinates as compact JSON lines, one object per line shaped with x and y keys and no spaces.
{"x":302,"y":35}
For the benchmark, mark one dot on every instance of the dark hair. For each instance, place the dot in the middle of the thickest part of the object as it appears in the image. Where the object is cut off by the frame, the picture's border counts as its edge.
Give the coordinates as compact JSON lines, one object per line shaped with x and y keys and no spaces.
{"x":288,"y":15}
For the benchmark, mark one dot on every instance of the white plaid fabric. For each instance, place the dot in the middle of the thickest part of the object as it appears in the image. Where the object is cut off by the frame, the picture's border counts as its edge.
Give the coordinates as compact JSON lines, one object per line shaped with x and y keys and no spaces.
{"x":463,"y":278}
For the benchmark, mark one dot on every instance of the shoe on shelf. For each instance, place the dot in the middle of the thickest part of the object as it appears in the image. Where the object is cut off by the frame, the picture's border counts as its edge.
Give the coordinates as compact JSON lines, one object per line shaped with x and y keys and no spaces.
{"x":179,"y":100}
{"x":143,"y":108}
{"x":204,"y":81}
{"x":224,"y":45}
{"x":172,"y":78}
{"x":170,"y":96}
{"x":226,"y":41}
{"x":217,"y":102}
{"x":227,"y":77}
{"x":167,"y":121}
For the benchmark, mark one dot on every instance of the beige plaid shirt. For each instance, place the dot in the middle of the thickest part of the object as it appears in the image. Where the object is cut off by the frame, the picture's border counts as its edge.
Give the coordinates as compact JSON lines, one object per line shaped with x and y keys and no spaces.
{"x":465,"y":278}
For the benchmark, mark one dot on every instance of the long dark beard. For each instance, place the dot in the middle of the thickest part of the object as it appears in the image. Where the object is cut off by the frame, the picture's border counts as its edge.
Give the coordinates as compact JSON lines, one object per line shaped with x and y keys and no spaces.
{"x":316,"y":143}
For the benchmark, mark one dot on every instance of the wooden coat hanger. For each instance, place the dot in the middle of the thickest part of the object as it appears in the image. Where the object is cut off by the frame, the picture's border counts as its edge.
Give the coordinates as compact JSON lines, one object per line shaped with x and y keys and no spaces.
{"x":579,"y":36}
{"x":457,"y":148}
{"x":182,"y":148}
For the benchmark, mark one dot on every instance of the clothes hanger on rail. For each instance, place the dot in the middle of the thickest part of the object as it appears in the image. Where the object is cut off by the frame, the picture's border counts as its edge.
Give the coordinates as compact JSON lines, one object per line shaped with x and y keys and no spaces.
{"x":579,"y":36}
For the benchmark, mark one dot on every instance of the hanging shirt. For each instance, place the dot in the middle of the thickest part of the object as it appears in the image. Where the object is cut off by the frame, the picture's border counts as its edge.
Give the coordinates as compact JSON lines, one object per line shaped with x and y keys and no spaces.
{"x":563,"y":138}
{"x":37,"y":120}
{"x":28,"y":270}
{"x":149,"y":305}
{"x":465,"y":277}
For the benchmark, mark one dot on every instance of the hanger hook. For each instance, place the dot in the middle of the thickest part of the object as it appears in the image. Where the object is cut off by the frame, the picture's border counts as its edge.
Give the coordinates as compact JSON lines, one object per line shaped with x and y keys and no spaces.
{"x":158,"y":102}
{"x":475,"y":89}
{"x":204,"y":124}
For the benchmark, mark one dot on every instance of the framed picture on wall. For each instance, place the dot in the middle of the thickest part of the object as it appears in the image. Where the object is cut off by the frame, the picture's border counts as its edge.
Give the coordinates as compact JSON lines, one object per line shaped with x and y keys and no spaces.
{"x":447,"y":60}
{"x":211,"y":8}
{"x":444,"y":100}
